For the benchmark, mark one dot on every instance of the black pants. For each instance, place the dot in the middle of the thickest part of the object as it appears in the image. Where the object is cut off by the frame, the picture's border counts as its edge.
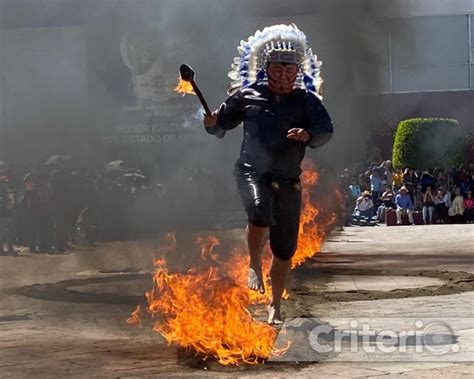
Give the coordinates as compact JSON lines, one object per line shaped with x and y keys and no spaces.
{"x":276,"y":208}
{"x":60,"y":230}
{"x":39,"y":230}
{"x":469,"y":215}
{"x":441,"y":211}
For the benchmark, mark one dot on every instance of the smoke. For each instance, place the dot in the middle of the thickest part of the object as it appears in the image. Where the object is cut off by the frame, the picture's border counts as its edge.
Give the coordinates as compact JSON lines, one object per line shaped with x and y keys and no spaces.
{"x":194,"y":120}
{"x":108,"y":69}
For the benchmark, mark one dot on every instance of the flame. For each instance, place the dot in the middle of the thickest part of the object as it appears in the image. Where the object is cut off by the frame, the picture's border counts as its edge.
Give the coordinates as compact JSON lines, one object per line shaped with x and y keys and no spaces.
{"x":314,"y":222}
{"x":184,"y":87}
{"x":207,"y":246}
{"x":206,"y":310}
{"x":135,"y":318}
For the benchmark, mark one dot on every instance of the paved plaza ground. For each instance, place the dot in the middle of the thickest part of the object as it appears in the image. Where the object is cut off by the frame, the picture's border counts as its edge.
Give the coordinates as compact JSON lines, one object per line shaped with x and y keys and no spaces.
{"x":64,"y":315}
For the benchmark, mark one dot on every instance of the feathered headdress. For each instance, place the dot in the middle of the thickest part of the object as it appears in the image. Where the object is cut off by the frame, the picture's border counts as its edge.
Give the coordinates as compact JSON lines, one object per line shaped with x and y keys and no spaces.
{"x":255,"y":53}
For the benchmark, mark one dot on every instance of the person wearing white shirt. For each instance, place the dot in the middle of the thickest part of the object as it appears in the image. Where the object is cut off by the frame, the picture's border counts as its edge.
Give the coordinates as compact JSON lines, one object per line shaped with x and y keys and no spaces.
{"x":364,"y":208}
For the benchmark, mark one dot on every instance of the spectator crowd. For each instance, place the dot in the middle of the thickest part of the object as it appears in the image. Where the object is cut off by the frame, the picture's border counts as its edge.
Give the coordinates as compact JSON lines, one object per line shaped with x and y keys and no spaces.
{"x":440,"y":195}
{"x":57,"y":207}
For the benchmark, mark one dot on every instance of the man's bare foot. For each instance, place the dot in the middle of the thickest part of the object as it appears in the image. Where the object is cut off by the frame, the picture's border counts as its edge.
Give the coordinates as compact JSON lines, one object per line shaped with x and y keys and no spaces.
{"x":255,"y":279}
{"x":274,"y":315}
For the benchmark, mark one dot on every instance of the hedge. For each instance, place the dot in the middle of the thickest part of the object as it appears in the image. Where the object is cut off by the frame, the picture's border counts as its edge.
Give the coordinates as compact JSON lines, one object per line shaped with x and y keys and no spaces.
{"x":427,"y":143}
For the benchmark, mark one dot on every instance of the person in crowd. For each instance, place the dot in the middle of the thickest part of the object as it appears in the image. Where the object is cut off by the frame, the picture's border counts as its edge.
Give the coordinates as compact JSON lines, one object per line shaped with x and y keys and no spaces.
{"x":86,"y":228}
{"x":428,"y":206}
{"x":470,"y":168}
{"x":468,"y":184}
{"x":376,"y":178}
{"x":387,"y":198}
{"x":426,"y":180}
{"x":418,"y":199}
{"x":355,"y":189}
{"x":354,"y":192}
{"x":469,"y":208}
{"x":462,"y":179}
{"x":345,"y":196}
{"x":364,"y":180}
{"x":37,"y":201}
{"x":450,"y":177}
{"x":418,"y":173}
{"x":60,"y":205}
{"x":7,"y":234}
{"x":442,"y":204}
{"x":410,"y":181}
{"x":456,"y":210}
{"x":397,"y":179}
{"x":364,"y":209}
{"x":404,"y":205}
{"x":387,"y":173}
{"x":449,"y":197}
{"x":441,"y":177}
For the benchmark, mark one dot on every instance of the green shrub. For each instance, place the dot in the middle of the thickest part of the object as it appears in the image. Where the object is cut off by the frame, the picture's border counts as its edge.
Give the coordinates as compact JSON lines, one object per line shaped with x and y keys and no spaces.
{"x":427,"y":143}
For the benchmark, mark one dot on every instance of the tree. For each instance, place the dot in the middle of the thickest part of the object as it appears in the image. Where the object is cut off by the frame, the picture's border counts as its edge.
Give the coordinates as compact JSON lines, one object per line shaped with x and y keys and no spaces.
{"x":428,"y":143}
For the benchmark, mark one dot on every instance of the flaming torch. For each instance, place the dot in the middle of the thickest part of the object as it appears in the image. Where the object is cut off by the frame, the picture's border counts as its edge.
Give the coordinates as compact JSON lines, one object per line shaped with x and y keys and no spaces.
{"x":187,"y":84}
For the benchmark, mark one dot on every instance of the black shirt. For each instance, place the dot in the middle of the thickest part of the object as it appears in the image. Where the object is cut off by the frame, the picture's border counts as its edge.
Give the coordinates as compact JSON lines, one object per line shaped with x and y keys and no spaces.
{"x":265,"y":147}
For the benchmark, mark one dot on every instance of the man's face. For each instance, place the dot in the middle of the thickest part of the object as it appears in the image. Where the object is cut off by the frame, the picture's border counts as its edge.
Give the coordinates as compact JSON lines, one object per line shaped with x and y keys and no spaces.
{"x":282,"y":77}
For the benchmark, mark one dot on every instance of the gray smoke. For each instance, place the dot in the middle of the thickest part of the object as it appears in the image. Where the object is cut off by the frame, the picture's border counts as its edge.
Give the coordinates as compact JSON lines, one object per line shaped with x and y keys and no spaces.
{"x":76,"y":75}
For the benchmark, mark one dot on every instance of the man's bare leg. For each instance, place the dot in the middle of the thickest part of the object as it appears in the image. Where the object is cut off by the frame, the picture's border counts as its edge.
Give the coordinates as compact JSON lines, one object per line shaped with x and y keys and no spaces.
{"x":279,"y":273}
{"x":256,"y":239}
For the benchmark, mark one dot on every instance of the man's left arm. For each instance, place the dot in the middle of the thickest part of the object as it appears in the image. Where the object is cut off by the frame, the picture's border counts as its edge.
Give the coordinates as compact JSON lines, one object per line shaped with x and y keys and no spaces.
{"x":318,"y":122}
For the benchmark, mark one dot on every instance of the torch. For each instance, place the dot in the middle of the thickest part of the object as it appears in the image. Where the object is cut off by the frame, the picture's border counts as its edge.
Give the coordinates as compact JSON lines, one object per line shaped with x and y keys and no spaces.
{"x":187,"y":75}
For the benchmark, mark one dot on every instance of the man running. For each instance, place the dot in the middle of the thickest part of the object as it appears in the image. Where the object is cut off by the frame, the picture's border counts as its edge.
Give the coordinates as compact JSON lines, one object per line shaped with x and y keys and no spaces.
{"x":275,"y":96}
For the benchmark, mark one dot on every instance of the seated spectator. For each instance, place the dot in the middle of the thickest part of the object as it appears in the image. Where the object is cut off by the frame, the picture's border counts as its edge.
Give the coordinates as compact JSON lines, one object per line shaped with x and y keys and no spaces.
{"x":404,"y":205}
{"x":387,"y":199}
{"x":456,"y":211}
{"x":418,"y":203}
{"x":469,"y":208}
{"x":428,"y":206}
{"x":442,"y":204}
{"x":364,"y":208}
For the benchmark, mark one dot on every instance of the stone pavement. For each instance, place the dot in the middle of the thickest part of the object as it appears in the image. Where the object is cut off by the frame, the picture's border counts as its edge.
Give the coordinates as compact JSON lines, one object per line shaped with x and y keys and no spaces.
{"x":65,"y":315}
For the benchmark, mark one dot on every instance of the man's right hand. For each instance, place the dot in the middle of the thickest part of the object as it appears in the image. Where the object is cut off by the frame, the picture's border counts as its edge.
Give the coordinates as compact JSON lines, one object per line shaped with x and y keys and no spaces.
{"x":210,"y":121}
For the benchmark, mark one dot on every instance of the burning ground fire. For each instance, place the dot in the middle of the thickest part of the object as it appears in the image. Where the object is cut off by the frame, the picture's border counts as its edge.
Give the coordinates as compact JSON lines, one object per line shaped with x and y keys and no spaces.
{"x":206,"y":309}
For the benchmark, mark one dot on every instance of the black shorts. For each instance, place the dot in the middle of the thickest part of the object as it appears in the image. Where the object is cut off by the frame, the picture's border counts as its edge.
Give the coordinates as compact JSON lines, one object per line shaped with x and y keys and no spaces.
{"x":279,"y":209}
